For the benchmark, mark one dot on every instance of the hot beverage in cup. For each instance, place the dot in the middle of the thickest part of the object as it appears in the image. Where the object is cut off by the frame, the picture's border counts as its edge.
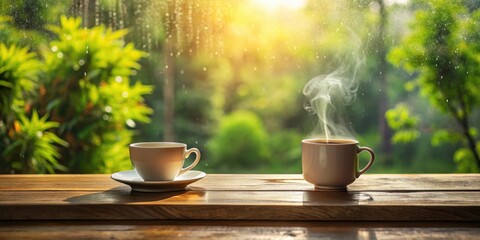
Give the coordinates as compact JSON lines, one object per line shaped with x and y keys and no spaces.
{"x":332,"y":164}
{"x":161,"y":161}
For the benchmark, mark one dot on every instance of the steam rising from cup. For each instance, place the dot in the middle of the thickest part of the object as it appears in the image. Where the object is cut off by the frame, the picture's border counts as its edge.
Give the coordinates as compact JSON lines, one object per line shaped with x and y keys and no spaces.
{"x":327,"y":95}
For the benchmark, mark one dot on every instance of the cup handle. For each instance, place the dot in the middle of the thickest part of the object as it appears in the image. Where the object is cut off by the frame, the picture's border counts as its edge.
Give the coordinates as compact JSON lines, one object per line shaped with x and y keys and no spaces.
{"x":372,"y":158}
{"x":197,"y":159}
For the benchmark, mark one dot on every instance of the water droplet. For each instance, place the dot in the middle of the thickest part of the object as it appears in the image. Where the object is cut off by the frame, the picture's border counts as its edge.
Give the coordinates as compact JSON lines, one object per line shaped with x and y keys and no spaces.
{"x":118,"y":79}
{"x":124,"y":94}
{"x":108,"y":109}
{"x":54,"y":48}
{"x":447,"y":100}
{"x":60,"y":55}
{"x":81,"y":62}
{"x":130,"y":123}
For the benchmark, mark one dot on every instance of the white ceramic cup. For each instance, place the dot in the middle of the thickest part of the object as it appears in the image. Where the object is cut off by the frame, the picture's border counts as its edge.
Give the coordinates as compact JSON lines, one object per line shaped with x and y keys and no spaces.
{"x":161,"y":161}
{"x":332,"y":165}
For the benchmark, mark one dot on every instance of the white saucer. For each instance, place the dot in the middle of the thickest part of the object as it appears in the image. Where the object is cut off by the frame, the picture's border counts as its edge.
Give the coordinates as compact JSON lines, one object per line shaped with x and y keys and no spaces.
{"x":131,"y":178}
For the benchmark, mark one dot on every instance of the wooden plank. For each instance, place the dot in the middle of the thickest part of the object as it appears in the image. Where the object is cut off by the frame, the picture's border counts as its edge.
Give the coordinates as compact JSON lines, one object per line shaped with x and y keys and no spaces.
{"x":56,"y":182}
{"x":242,"y":205}
{"x":236,"y":212}
{"x":268,"y":182}
{"x":367,"y":182}
{"x":451,"y":197}
{"x":235,"y":230}
{"x":123,"y":196}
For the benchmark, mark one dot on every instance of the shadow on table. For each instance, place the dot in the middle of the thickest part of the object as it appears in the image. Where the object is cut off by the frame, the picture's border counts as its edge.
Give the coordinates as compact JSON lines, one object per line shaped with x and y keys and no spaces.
{"x":124,"y":194}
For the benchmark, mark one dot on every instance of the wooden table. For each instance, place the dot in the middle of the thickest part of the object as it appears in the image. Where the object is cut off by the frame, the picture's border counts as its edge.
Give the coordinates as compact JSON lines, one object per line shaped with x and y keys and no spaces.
{"x":241,"y":206}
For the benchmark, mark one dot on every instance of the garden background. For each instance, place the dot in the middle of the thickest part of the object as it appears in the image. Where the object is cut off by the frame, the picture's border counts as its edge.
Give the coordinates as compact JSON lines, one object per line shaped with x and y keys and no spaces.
{"x":81,"y":79}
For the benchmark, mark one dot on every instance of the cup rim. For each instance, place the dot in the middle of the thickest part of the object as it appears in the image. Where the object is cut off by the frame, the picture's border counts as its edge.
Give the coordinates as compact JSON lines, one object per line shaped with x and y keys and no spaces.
{"x":157,"y":144}
{"x":338,"y":142}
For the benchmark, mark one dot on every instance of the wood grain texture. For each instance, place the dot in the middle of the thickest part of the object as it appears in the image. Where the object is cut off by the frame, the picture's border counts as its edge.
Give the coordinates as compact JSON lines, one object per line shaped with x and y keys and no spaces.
{"x":235,"y":230}
{"x":425,"y":197}
{"x":272,"y":182}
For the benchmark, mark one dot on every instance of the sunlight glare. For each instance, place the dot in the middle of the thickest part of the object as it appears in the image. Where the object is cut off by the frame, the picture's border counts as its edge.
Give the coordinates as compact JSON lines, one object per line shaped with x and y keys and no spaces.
{"x":273,"y":5}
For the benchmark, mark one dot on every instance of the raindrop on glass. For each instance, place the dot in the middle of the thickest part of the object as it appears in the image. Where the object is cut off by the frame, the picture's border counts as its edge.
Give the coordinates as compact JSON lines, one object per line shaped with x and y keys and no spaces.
{"x":130,"y":123}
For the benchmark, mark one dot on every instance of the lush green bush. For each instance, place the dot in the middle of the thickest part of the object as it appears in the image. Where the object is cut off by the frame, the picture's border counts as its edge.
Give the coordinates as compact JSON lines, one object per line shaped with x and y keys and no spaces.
{"x":87,"y":90}
{"x":285,"y":152}
{"x":82,"y":86}
{"x":240,"y":144}
{"x":26,"y":144}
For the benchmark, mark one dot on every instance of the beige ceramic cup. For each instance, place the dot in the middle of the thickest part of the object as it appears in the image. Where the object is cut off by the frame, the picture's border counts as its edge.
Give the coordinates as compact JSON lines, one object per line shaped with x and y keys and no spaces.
{"x":161,"y":161}
{"x":332,"y":165}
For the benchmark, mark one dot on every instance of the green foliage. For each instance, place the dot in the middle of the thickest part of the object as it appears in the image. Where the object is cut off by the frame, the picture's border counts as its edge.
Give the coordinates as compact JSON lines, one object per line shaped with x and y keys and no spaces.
{"x":442,"y":136}
{"x":22,"y":21}
{"x":240,"y":143}
{"x":405,"y":125}
{"x":465,"y":161}
{"x":32,"y":148}
{"x":285,"y":152}
{"x":18,"y":77}
{"x":243,"y":57}
{"x":26,"y":144}
{"x":88,"y":91}
{"x":444,"y":48}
